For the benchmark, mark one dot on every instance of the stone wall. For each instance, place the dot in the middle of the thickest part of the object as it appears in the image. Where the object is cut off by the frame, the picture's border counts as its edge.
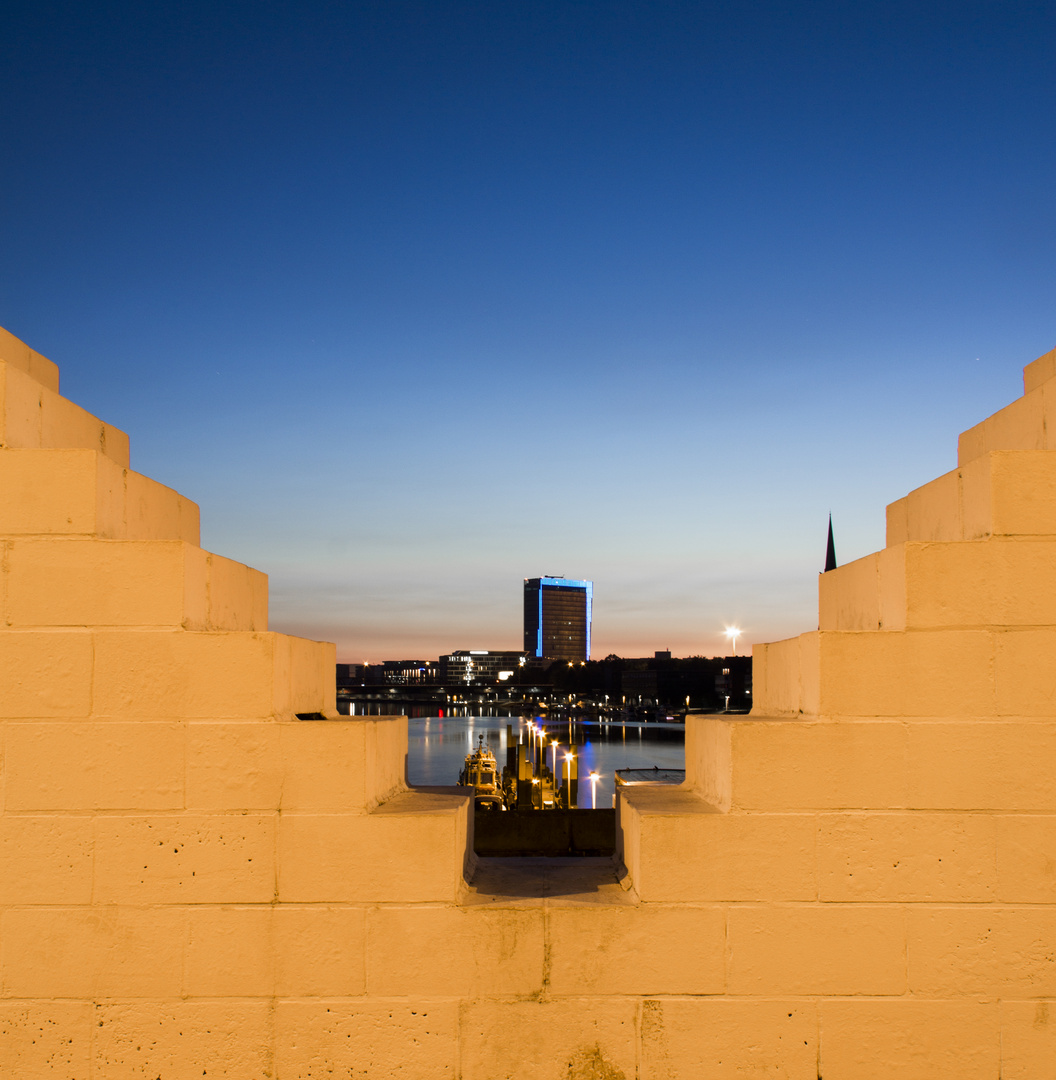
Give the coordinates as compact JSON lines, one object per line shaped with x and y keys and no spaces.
{"x":856,"y":881}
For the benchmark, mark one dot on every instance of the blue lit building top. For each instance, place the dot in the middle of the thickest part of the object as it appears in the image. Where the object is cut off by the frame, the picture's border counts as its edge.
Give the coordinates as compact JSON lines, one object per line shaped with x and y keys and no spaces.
{"x":557,"y":617}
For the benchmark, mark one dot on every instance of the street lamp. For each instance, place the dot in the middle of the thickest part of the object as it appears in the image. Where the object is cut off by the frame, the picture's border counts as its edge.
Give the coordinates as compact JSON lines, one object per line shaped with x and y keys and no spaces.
{"x":555,"y":745}
{"x":733,"y":633}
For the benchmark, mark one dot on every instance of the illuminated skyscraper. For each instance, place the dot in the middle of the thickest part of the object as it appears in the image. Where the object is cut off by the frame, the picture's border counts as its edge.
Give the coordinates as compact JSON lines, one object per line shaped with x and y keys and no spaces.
{"x":557,"y":618}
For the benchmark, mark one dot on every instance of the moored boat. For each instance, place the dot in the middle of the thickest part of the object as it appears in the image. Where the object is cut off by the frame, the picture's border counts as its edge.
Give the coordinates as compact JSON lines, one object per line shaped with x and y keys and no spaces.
{"x":481,"y":773}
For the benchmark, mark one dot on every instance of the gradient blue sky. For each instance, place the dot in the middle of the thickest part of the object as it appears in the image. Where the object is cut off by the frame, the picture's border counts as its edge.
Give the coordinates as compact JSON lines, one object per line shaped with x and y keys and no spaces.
{"x":418,"y":300}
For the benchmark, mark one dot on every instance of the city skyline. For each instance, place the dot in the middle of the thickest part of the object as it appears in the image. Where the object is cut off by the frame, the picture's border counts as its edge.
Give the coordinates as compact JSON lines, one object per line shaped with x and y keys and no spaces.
{"x":416,"y":300}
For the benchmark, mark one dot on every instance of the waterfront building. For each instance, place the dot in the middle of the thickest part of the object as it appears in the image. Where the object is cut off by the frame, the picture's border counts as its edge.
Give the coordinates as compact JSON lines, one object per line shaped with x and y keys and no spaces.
{"x":389,"y":673}
{"x":479,"y":666}
{"x":557,"y":618}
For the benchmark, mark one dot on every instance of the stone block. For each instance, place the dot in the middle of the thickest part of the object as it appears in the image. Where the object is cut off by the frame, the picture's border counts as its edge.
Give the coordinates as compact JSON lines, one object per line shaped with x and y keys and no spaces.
{"x":798,"y":765}
{"x":303,"y":676}
{"x":933,"y":511}
{"x":1039,"y":371}
{"x":60,"y":493}
{"x":320,"y":951}
{"x":1010,"y":494}
{"x":685,"y":853}
{"x":33,"y":417}
{"x":785,"y":677}
{"x":897,"y":522}
{"x":45,"y":859}
{"x":991,"y":583}
{"x":551,"y":1040}
{"x":1026,"y":858}
{"x":79,"y":582}
{"x":906,"y":857}
{"x":428,"y":951}
{"x":726,"y":1039}
{"x":775,"y":677}
{"x":913,"y":1040}
{"x":90,"y":952}
{"x":708,"y":765}
{"x":139,"y":1040}
{"x":45,"y":1039}
{"x":1001,"y":492}
{"x":180,"y":674}
{"x":237,"y":596}
{"x":1028,"y":1040}
{"x":19,"y":408}
{"x":849,"y":596}
{"x":80,"y":492}
{"x":412,"y":856}
{"x":64,"y":426}
{"x":234,"y":765}
{"x":208,"y":675}
{"x":977,"y":498}
{"x":816,"y":949}
{"x":327,"y":766}
{"x":1022,"y":487}
{"x":891,"y":583}
{"x":866,"y":595}
{"x":155,"y":512}
{"x":46,"y":674}
{"x":984,"y":765}
{"x":1018,"y":426}
{"x":230,"y":952}
{"x":997,"y":952}
{"x":185,"y":858}
{"x":18,"y":354}
{"x":912,"y":673}
{"x":1023,"y":673}
{"x":86,"y":766}
{"x":350,"y":764}
{"x":377,"y":772}
{"x":386,"y":755}
{"x":318,"y":1040}
{"x":645,"y":949}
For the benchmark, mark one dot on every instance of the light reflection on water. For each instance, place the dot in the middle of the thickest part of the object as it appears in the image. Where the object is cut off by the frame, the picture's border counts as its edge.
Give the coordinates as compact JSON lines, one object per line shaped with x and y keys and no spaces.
{"x":437,"y":748}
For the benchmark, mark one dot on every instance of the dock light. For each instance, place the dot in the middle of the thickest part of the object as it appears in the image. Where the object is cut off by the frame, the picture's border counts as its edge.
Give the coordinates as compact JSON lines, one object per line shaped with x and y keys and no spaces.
{"x":555,"y":760}
{"x":593,"y":791}
{"x":733,"y":633}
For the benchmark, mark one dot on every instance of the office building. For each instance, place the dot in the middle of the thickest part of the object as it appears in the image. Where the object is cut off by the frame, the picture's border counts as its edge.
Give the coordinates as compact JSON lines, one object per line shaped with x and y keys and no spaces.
{"x":557,"y":618}
{"x":479,"y":666}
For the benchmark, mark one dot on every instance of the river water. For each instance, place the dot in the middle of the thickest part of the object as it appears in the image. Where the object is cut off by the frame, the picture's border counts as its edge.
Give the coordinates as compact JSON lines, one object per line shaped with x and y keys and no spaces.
{"x":437,"y":748}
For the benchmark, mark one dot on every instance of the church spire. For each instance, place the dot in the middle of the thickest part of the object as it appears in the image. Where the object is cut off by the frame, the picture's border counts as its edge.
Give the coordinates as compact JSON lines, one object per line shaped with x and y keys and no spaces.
{"x":830,"y":551}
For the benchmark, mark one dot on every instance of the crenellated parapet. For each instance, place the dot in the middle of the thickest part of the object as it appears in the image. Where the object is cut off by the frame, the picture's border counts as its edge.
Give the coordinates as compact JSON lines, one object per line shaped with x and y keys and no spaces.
{"x":856,"y":881}
{"x":177,"y":849}
{"x":881,"y":830}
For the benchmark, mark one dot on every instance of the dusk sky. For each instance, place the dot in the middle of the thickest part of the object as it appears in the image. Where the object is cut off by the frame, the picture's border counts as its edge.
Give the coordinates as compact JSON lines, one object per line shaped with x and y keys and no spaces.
{"x":419,"y":300}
